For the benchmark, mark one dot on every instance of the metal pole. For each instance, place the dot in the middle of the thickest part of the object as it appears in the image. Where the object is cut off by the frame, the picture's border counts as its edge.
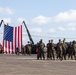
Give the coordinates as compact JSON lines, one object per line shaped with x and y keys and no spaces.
{"x":28,"y":32}
{"x":1,"y":22}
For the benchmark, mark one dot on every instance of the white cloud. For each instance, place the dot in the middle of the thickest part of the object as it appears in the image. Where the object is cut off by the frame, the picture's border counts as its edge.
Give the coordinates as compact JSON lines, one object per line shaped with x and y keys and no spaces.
{"x":65,"y":16}
{"x":71,"y":26}
{"x":41,"y":20}
{"x":52,"y":30}
{"x":61,"y":28}
{"x":6,"y":10}
{"x":20,"y":20}
{"x":68,"y":27}
{"x":36,"y":30}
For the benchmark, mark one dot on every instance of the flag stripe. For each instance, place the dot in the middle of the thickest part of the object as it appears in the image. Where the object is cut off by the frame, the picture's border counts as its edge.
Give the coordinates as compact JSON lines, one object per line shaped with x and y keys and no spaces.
{"x":20,"y":42}
{"x":10,"y":48}
{"x":7,"y":46}
{"x":18,"y":37}
{"x":14,"y":38}
{"x":3,"y":46}
{"x":21,"y":37}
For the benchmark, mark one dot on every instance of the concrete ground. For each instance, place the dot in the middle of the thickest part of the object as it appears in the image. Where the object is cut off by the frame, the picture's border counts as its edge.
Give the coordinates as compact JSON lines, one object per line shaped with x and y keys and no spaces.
{"x":28,"y":65}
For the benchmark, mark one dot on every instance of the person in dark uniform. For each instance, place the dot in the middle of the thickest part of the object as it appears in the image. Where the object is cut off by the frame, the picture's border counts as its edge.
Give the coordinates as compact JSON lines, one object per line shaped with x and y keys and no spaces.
{"x":40,"y":53}
{"x":25,"y":50}
{"x":17,"y":51}
{"x":48,"y":51}
{"x":70,"y":51}
{"x":74,"y":49}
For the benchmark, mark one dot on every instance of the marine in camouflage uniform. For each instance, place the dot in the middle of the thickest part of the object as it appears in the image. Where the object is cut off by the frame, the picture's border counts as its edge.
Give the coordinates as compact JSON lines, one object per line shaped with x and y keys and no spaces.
{"x":17,"y":51}
{"x":52,"y":50}
{"x":70,"y":51}
{"x":48,"y":51}
{"x":40,"y":53}
{"x":59,"y":49}
{"x":29,"y":49}
{"x":74,"y":48}
{"x":64,"y":47}
{"x":23,"y":50}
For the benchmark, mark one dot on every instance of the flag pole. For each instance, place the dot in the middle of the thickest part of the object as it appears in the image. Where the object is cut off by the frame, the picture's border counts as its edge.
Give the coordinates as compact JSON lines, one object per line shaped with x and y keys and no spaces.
{"x":1,"y":22}
{"x":29,"y":35}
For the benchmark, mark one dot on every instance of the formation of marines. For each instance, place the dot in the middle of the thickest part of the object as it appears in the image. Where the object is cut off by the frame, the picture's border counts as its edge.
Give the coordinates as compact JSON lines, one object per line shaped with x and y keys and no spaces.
{"x":57,"y":51}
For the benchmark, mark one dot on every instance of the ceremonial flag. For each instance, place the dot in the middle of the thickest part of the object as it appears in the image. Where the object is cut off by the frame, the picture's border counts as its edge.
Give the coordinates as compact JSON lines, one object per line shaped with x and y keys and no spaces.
{"x":12,"y":38}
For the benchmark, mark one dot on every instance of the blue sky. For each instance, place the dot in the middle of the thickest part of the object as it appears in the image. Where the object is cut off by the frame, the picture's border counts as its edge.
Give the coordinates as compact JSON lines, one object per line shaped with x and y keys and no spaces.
{"x":45,"y":19}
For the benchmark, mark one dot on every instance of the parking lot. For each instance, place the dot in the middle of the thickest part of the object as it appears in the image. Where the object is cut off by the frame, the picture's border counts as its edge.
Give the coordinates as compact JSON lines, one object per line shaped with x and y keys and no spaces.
{"x":11,"y":64}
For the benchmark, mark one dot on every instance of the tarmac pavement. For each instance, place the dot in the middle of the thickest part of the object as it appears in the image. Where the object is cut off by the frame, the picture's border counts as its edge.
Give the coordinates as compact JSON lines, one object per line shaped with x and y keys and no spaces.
{"x":11,"y":64}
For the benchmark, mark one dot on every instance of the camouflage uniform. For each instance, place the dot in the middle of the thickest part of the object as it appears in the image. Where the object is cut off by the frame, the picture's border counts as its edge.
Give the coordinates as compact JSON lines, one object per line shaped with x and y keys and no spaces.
{"x":29,"y":49}
{"x":52,"y":50}
{"x":70,"y":51}
{"x":64,"y":49}
{"x":48,"y":51}
{"x":59,"y":50}
{"x":74,"y":48}
{"x":17,"y":51}
{"x":23,"y":50}
{"x":40,"y":53}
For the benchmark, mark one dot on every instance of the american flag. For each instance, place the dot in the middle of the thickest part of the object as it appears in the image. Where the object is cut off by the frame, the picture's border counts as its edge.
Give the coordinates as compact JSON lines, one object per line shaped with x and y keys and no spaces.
{"x":12,"y":38}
